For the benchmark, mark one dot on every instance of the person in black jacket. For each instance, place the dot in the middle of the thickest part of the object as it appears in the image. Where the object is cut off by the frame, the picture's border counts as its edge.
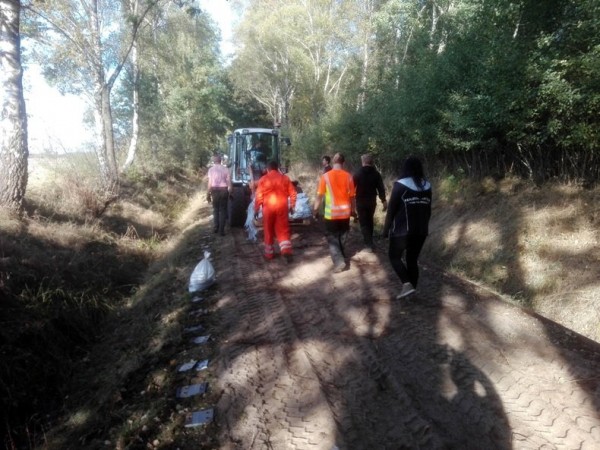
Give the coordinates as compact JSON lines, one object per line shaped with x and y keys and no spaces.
{"x":407,"y":223}
{"x":369,"y":186}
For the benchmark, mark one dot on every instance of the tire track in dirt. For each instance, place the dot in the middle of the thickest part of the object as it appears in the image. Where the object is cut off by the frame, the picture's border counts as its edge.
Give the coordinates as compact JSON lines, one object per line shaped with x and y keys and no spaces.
{"x":374,"y":405}
{"x":281,"y":405}
{"x":534,"y":388}
{"x":372,"y":409}
{"x":311,"y":360}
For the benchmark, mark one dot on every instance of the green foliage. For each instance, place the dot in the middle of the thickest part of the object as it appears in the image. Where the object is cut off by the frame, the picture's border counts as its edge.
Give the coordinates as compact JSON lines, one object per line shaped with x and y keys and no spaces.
{"x":184,"y":98}
{"x":490,"y":87}
{"x":486,"y":87}
{"x":309,"y":145}
{"x":65,"y":45}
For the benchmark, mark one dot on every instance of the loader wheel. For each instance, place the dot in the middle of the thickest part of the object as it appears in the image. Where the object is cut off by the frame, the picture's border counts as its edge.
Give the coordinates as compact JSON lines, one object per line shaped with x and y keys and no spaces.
{"x":238,"y":206}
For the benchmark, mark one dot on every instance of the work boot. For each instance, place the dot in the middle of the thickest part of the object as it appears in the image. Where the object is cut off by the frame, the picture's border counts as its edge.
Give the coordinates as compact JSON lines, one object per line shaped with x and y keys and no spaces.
{"x":289,"y":258}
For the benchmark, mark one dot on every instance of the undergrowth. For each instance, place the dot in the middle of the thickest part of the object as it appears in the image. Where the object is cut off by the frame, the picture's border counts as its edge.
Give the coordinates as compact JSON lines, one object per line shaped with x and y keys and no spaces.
{"x":69,"y":267}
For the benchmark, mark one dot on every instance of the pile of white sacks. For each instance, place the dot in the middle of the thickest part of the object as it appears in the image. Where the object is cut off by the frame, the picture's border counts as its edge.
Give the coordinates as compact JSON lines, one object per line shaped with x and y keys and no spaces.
{"x":302,"y":211}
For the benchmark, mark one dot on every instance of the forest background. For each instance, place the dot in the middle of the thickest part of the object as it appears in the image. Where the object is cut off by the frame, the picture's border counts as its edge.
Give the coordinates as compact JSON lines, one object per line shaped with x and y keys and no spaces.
{"x":500,"y":98}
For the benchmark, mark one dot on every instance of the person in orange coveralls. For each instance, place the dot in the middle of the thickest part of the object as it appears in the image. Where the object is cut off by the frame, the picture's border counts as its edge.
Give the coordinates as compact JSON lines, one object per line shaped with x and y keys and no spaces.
{"x":272,"y":194}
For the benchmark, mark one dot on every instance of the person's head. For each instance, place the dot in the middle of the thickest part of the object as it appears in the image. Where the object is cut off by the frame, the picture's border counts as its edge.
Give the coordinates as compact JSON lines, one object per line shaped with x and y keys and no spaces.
{"x":216,"y":159}
{"x":367,"y":159}
{"x":338,"y":158}
{"x":326,"y":160}
{"x":413,"y":168}
{"x":273,"y":165}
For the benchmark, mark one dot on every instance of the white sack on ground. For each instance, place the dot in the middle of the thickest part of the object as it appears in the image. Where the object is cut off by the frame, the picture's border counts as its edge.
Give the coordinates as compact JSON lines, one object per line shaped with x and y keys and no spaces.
{"x":203,"y":275}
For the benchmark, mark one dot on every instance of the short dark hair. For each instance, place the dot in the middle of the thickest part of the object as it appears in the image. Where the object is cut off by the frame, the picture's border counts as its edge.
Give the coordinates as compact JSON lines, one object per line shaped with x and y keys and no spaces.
{"x":273,"y":165}
{"x":326,"y":158}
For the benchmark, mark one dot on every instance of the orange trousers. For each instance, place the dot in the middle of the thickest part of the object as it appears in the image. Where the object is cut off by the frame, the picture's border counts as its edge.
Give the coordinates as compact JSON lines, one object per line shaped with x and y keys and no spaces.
{"x":276,"y":226}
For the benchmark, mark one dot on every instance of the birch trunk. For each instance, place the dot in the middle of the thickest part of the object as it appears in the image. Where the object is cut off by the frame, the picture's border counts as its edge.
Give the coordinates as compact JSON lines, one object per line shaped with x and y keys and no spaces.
{"x":135,"y":119}
{"x":13,"y":118}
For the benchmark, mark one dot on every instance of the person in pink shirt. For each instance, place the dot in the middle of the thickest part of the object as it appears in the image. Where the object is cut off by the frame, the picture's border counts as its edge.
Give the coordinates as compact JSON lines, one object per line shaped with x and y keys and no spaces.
{"x":219,"y":186}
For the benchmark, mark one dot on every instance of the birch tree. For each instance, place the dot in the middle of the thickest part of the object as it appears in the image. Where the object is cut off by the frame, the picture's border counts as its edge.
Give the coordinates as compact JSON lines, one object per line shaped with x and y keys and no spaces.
{"x":86,"y":50}
{"x":13,"y":119}
{"x":134,"y":7}
{"x":294,"y":55}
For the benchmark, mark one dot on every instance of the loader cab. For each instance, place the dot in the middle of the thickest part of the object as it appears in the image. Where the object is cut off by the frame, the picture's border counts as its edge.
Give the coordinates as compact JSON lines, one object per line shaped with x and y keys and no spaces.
{"x":250,"y":150}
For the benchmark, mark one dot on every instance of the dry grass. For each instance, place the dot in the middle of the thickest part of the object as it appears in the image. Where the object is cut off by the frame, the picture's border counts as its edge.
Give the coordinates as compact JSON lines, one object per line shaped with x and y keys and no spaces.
{"x":80,"y":290}
{"x":538,"y":246}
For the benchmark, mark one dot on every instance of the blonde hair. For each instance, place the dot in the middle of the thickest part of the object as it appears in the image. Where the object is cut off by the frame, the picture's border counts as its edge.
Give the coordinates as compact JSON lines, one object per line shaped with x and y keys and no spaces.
{"x":338,"y":158}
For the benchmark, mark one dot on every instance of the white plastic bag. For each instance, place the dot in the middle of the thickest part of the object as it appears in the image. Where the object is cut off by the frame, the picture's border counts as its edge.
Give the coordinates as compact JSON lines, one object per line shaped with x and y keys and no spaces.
{"x":249,"y":225}
{"x":303,"y":209}
{"x":203,"y":275}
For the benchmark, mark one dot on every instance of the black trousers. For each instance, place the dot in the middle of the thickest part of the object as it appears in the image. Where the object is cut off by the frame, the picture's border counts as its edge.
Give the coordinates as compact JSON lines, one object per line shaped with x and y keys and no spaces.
{"x":366,"y":211}
{"x":409,"y":247}
{"x":220,"y":197}
{"x":335,"y":233}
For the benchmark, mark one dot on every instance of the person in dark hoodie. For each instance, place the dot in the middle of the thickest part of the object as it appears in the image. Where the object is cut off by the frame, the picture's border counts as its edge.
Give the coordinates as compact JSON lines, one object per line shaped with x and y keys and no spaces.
{"x":407,"y":223}
{"x":369,"y":186}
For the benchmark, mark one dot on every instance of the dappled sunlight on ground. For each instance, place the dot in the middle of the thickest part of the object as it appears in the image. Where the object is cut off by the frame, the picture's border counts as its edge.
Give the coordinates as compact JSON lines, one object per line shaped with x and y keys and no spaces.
{"x":539,"y":246}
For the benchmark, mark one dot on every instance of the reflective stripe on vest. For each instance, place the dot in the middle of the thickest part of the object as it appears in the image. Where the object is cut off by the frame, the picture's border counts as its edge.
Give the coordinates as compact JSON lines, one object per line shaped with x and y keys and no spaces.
{"x":333,"y":209}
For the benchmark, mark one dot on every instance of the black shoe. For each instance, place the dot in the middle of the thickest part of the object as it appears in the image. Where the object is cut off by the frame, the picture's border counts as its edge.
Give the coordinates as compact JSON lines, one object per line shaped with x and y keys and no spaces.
{"x":222,"y":233}
{"x":215,"y":230}
{"x":289,"y":258}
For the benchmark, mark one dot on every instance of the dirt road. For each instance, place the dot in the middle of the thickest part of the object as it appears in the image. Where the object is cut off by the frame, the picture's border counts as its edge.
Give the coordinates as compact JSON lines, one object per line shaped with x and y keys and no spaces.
{"x":312,"y":360}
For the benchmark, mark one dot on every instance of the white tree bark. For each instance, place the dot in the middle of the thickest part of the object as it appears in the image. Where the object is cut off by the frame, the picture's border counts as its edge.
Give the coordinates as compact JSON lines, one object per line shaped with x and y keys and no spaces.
{"x":13,"y":118}
{"x":135,"y":117}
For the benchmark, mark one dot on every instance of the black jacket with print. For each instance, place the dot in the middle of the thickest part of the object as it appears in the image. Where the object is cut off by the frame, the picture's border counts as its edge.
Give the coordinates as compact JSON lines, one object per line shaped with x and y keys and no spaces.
{"x":409,"y":209}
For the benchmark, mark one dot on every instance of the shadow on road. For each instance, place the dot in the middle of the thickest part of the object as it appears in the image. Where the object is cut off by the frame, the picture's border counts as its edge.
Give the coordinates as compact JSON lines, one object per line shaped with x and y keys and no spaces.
{"x":379,"y":371}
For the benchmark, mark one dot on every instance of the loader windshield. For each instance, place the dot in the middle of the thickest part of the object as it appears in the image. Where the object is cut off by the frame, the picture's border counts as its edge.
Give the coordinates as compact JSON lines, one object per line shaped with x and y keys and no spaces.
{"x":253,"y":151}
{"x":261,"y":146}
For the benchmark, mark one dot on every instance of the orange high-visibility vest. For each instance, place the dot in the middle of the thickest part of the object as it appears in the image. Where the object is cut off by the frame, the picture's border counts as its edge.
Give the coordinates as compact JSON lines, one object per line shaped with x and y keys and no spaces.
{"x":338,"y":187}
